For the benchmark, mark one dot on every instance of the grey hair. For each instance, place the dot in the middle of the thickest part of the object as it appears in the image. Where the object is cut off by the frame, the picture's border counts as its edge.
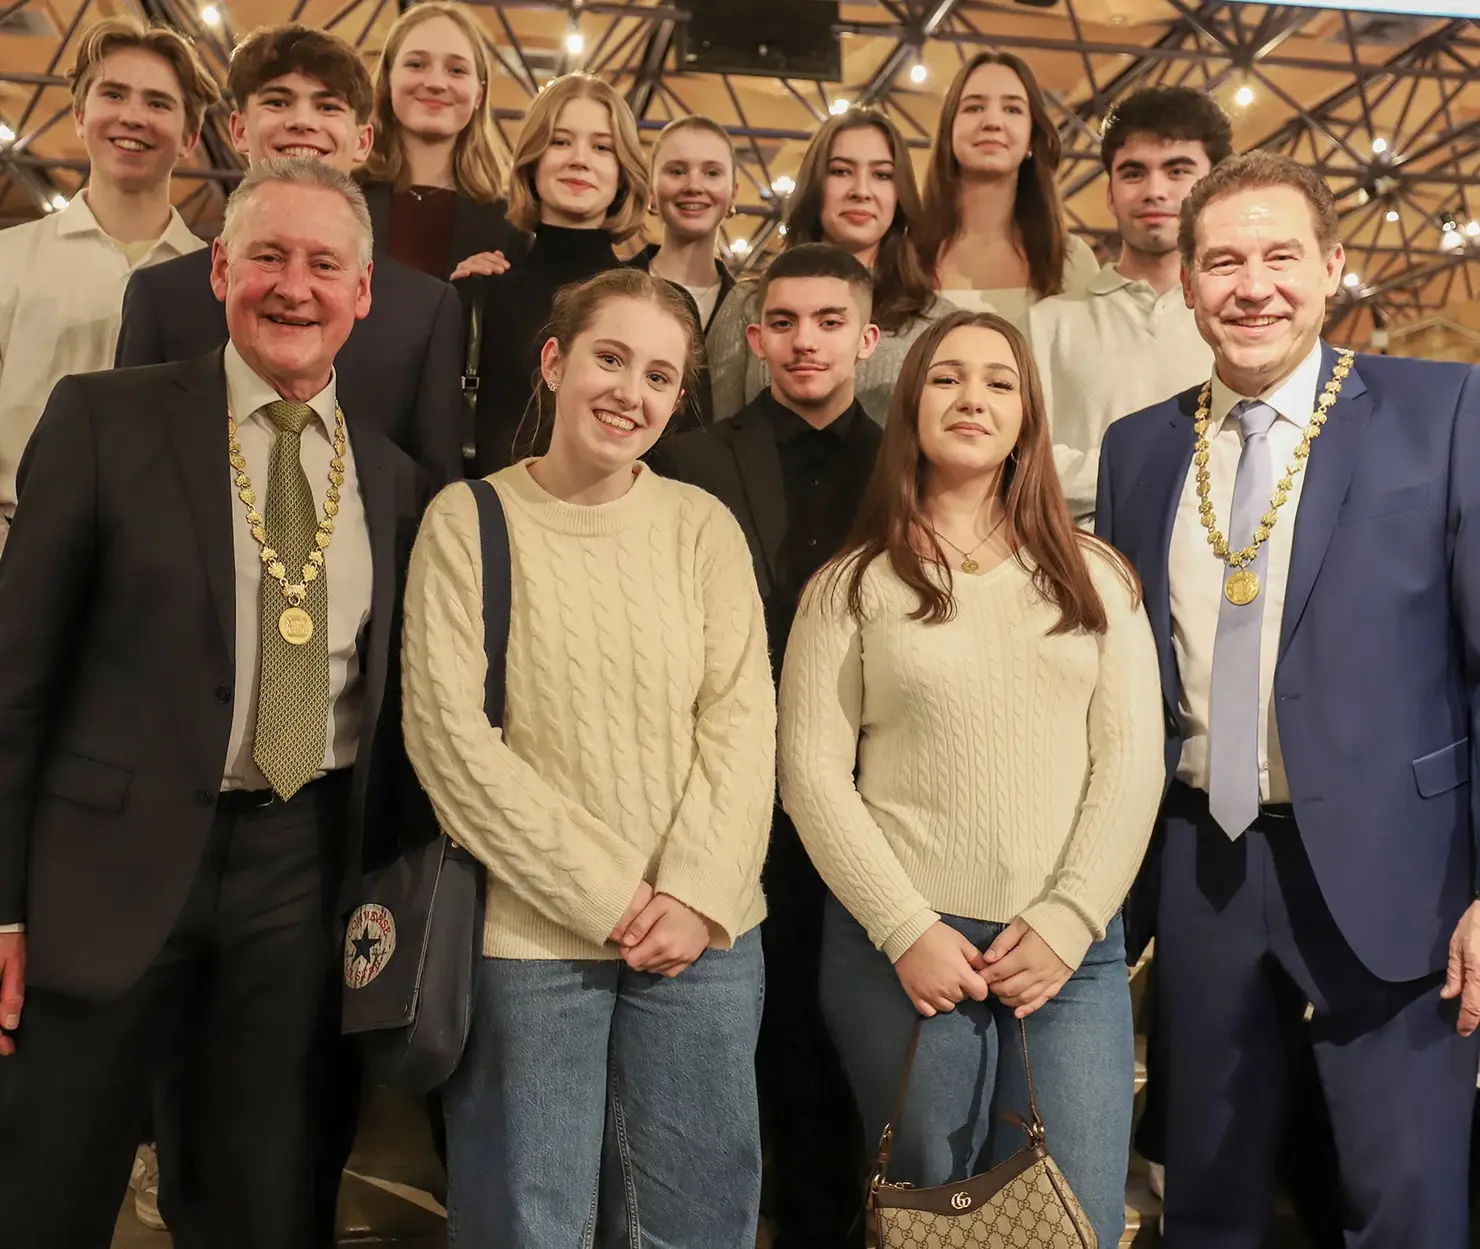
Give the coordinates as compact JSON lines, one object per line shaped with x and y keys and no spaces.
{"x":301,"y":171}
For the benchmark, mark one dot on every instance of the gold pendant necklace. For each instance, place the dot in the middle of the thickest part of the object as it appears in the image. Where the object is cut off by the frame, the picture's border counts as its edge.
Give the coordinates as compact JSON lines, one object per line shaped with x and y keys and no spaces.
{"x":294,"y":624}
{"x":1242,"y":586}
{"x":968,"y":561}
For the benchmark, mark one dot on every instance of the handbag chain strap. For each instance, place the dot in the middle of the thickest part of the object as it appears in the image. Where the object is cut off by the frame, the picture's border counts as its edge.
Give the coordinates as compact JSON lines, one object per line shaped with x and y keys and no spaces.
{"x":1033,"y":1126}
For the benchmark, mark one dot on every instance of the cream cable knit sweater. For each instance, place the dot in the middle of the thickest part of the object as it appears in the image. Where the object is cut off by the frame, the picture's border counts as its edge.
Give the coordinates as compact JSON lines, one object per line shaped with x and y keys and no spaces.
{"x":640,"y":738}
{"x":1001,"y":771}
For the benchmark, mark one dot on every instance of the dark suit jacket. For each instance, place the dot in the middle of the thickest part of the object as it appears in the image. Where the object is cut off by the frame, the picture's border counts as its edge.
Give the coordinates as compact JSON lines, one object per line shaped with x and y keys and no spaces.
{"x":736,"y":460}
{"x":1377,"y":680}
{"x":400,"y":373}
{"x":117,"y":615}
{"x":475,"y":227}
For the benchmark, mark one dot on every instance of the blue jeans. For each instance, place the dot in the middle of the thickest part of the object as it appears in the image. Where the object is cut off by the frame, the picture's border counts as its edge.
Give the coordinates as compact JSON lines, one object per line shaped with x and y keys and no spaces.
{"x":565,"y":1055}
{"x":969,"y":1068}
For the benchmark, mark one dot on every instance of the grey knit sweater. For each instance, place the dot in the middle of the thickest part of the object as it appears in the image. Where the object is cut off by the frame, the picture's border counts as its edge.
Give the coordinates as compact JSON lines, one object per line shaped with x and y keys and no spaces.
{"x":736,"y":376}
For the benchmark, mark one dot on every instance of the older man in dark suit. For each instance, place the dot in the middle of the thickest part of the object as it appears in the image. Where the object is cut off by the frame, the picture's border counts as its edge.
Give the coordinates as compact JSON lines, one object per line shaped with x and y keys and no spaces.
{"x":199,"y":736}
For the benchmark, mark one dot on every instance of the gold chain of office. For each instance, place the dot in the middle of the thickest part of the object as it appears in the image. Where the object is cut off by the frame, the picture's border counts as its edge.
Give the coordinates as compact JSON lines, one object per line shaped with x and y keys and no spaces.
{"x":1242,"y":586}
{"x":295,"y":624}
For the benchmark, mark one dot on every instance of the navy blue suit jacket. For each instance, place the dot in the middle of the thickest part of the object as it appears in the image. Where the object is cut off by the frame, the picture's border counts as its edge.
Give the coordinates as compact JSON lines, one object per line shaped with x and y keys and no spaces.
{"x":1375,"y":683}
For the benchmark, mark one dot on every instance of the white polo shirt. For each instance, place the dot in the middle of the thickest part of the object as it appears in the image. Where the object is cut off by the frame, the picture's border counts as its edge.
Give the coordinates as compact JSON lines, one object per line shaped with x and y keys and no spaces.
{"x":1111,"y":351}
{"x":61,"y":305}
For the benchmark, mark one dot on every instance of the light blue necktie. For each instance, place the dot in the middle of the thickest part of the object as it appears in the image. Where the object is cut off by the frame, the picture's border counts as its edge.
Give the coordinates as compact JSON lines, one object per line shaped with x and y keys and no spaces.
{"x":1233,"y":748}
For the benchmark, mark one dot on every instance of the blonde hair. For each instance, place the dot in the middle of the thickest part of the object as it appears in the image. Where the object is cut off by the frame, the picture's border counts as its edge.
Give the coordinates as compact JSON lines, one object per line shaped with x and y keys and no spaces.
{"x":479,"y":160}
{"x":694,"y":121}
{"x":624,"y":218}
{"x":198,"y":90}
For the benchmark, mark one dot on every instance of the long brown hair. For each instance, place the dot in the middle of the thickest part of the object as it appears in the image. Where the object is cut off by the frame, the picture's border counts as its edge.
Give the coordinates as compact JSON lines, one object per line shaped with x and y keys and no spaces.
{"x":902,"y":288}
{"x":1037,"y":213}
{"x":891,"y":520}
{"x":478,"y":157}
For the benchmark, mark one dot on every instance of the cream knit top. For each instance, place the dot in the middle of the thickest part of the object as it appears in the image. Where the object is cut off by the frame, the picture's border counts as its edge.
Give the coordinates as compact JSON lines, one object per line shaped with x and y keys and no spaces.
{"x":640,"y":734}
{"x":1001,"y":772}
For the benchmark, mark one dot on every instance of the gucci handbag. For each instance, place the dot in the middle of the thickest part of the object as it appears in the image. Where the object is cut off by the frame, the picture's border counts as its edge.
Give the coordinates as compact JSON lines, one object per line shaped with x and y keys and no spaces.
{"x":1024,"y":1203}
{"x":413,"y":945}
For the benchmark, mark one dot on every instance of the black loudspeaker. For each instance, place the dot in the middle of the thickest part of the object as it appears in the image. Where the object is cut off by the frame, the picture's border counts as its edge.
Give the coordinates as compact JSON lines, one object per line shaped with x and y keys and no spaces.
{"x":766,"y":38}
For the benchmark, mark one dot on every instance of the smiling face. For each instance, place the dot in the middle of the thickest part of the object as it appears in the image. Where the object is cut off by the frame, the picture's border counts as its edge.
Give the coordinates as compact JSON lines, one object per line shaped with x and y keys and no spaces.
{"x":434,"y":80}
{"x":1259,"y":284}
{"x":132,"y":120}
{"x":1148,"y":182}
{"x":971,"y":407}
{"x":859,"y":195}
{"x":290,"y":277}
{"x":693,"y":183}
{"x":296,"y":115}
{"x":992,"y":128}
{"x":617,"y":385}
{"x":811,"y":334}
{"x":578,"y":174}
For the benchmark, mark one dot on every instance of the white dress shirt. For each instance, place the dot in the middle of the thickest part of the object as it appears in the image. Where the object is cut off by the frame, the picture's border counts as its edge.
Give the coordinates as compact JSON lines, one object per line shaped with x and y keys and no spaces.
{"x":1196,"y":574}
{"x":1116,"y":349}
{"x":347,"y":568}
{"x":1012,"y":303}
{"x":61,"y":305}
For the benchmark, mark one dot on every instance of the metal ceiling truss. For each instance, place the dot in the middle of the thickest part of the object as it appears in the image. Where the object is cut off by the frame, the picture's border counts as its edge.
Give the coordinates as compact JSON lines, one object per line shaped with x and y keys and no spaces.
{"x":1428,"y":175}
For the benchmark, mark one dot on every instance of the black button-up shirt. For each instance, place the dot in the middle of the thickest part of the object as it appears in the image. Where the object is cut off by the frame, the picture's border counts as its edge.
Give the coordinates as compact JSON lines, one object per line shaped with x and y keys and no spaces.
{"x":823,"y":473}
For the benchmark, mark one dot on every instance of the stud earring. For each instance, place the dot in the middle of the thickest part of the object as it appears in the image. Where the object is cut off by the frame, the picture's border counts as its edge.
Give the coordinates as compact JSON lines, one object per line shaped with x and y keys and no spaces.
{"x":553,"y":387}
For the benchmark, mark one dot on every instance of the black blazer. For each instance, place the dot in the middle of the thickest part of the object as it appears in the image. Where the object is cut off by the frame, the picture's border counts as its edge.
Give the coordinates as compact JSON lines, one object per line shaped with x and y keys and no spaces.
{"x":399,"y":374}
{"x":117,"y":619}
{"x":736,"y":460}
{"x":476,"y":227}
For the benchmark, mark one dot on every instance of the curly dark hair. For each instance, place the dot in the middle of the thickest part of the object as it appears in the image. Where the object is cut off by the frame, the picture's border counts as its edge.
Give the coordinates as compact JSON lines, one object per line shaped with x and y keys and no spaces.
{"x":1169,"y":113}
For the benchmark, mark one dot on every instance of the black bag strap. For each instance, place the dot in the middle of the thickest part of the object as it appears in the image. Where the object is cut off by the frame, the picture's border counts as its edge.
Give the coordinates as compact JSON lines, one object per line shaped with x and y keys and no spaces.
{"x":471,"y":361}
{"x":493,"y":535}
{"x":1033,"y":1127}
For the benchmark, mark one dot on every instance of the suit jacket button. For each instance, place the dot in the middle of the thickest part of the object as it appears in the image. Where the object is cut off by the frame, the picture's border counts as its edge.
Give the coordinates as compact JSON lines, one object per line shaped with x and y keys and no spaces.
{"x":223,"y":693}
{"x":205,"y":797}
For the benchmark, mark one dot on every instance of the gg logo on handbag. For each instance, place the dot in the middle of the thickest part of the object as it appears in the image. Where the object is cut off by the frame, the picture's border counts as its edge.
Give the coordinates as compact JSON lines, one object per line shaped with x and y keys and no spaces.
{"x":1023,"y":1204}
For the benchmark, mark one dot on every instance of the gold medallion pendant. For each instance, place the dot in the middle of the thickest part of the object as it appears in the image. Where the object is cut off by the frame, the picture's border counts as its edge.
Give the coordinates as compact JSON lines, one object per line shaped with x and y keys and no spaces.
{"x":969,"y":565}
{"x":296,"y":626}
{"x":1242,"y":587}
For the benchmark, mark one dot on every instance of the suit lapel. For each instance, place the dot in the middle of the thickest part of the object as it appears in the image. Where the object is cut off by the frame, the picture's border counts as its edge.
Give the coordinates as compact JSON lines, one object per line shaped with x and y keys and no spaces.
{"x":378,"y":492}
{"x":197,"y":415}
{"x":753,"y":444}
{"x":1328,"y":473}
{"x":1164,"y":479}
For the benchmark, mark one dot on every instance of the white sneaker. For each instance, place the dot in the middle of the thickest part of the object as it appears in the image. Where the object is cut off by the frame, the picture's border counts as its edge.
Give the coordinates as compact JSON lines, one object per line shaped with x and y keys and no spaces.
{"x":145,"y":1184}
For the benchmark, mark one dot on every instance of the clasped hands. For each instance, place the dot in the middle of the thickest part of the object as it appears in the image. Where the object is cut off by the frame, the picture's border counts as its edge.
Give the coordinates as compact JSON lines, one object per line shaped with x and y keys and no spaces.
{"x":659,"y":934}
{"x":943,"y":968}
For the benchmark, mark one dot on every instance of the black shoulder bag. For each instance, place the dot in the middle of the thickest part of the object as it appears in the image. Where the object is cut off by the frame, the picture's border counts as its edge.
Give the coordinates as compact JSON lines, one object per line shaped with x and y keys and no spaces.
{"x":413,"y":945}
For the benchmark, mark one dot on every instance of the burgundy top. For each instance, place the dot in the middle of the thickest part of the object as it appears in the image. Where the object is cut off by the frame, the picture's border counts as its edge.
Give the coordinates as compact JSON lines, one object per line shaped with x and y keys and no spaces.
{"x":421,"y":229}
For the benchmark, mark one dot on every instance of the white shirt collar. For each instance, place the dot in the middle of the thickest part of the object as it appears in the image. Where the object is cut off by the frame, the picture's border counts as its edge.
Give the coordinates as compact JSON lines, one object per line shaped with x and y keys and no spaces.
{"x":247,"y":394}
{"x":1294,"y":399}
{"x":77,"y":218}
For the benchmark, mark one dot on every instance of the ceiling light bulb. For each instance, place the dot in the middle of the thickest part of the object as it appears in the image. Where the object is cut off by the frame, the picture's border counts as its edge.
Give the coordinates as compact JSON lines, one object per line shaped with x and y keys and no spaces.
{"x":1244,"y":96}
{"x":1352,"y":281}
{"x":918,"y":74}
{"x":574,"y":43}
{"x":740,"y":246}
{"x":1392,"y":214}
{"x":1379,"y":146}
{"x":6,"y":133}
{"x":784,"y":185}
{"x":59,"y":202}
{"x":211,"y":15}
{"x":781,"y":229}
{"x":1451,"y":239}
{"x":1472,"y":228}
{"x":838,"y":107}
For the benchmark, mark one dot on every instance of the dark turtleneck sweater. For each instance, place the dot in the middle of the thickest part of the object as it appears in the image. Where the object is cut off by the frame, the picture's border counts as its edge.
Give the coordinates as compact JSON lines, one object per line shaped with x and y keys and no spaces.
{"x":516,"y":311}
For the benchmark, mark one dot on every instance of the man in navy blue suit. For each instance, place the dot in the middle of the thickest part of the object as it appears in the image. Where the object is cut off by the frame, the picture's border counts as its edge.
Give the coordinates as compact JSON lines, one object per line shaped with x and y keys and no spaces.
{"x":1307,"y":528}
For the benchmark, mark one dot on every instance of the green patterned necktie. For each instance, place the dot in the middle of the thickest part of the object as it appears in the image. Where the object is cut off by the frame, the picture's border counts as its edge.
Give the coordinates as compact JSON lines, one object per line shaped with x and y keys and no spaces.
{"x":293,"y":694}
